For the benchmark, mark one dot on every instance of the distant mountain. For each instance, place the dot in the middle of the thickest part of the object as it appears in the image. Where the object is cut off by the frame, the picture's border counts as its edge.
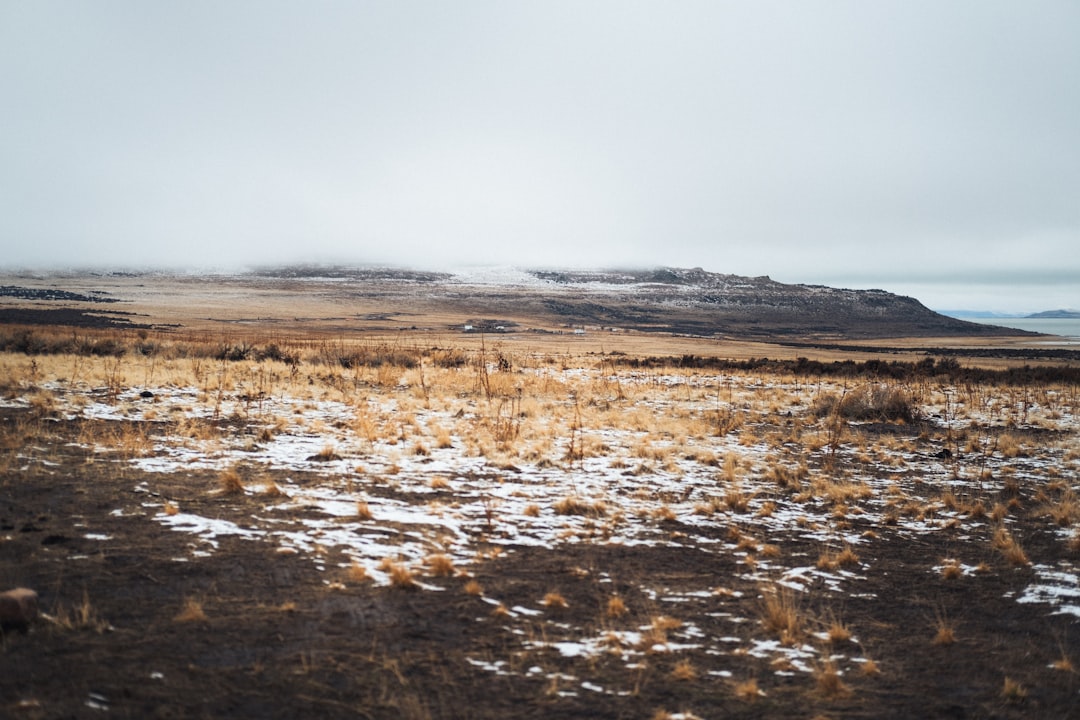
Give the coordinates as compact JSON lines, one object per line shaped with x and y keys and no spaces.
{"x":507,"y":299}
{"x":1056,"y":314}
{"x":695,"y":301}
{"x":665,"y":299}
{"x":981,"y":314}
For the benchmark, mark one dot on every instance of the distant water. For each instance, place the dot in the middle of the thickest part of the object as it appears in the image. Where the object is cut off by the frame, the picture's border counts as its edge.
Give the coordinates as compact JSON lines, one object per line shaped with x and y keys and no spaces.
{"x":1066,"y":327}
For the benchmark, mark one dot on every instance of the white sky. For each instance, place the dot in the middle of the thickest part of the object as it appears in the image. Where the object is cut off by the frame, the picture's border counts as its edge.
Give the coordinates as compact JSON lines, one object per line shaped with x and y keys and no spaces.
{"x":928,"y":148}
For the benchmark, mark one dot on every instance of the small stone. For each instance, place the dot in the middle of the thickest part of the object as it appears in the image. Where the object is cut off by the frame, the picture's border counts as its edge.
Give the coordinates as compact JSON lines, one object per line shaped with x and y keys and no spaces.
{"x":18,"y":607}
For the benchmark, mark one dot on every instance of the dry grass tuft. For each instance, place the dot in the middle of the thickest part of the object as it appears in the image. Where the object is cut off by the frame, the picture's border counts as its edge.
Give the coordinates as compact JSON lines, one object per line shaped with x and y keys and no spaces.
{"x":951,"y":569}
{"x":781,"y":616}
{"x":363,"y":511}
{"x":1010,"y":488}
{"x":401,"y":577}
{"x":358,"y":573}
{"x":82,"y":616}
{"x":838,"y":632}
{"x":191,"y":611}
{"x":707,"y":507}
{"x":829,"y":681}
{"x":573,"y":505}
{"x":834,"y":560}
{"x":1063,"y":664}
{"x":230,"y":482}
{"x":271,"y":490}
{"x":787,"y":478}
{"x":684,"y":670}
{"x":327,"y":454}
{"x":554,"y":601}
{"x":443,"y":440}
{"x":664,"y":513}
{"x":731,"y":466}
{"x":944,"y":635}
{"x":1012,"y":691}
{"x":1010,"y":549}
{"x":531,"y":510}
{"x":847,"y":557}
{"x":664,"y":623}
{"x":736,"y":500}
{"x":1009,"y":446}
{"x":652,"y":640}
{"x":440,"y":565}
{"x":747,"y":544}
{"x":748,"y":690}
{"x":616,"y":608}
{"x":1064,"y":511}
{"x":474,"y":588}
{"x":870,"y":668}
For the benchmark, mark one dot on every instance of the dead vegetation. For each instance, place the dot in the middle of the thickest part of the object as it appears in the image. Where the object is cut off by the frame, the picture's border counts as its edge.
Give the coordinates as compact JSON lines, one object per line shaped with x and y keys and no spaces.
{"x":822,"y":504}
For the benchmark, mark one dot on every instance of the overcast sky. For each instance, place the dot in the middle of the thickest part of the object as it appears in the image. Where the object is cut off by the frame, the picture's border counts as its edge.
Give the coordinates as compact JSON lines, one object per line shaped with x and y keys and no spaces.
{"x":929,"y":148}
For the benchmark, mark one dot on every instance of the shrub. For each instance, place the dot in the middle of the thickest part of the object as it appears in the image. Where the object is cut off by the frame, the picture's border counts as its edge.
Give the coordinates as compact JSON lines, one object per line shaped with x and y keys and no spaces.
{"x":572,"y":505}
{"x":278,"y":354}
{"x":451,"y":358}
{"x":879,"y":402}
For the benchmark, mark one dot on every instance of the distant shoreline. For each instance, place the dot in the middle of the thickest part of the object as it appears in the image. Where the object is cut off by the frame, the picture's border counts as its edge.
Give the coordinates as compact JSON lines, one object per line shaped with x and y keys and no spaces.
{"x":1061,"y":326}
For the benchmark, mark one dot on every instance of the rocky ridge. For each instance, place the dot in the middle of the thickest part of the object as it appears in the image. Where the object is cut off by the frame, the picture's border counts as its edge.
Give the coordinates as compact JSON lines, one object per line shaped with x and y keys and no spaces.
{"x":695,"y":301}
{"x":692,"y":302}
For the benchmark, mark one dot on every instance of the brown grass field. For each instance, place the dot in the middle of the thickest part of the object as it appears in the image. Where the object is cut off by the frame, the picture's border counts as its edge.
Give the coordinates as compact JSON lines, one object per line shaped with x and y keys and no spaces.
{"x":283,"y":503}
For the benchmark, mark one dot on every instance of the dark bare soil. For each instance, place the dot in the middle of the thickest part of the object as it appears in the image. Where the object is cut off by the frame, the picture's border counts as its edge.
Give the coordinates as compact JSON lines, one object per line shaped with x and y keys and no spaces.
{"x":278,"y":643}
{"x":69,"y":317}
{"x":25,"y":293}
